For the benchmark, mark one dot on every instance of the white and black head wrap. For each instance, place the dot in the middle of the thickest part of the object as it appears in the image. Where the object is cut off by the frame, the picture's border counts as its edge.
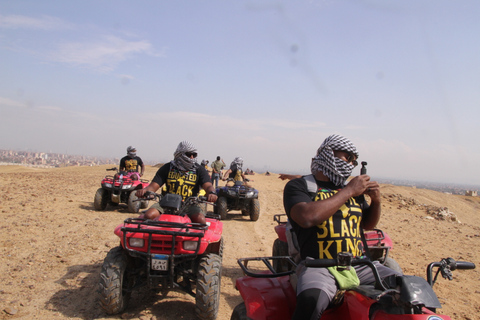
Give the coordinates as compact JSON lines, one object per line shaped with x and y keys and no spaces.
{"x":236,"y":164}
{"x":131,"y":151}
{"x":181,"y":161}
{"x":336,"y":169}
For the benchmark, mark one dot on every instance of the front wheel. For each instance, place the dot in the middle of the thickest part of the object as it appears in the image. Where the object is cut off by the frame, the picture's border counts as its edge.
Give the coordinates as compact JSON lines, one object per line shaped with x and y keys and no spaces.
{"x":254,"y":209}
{"x":115,"y":286}
{"x":222,"y":207}
{"x":240,"y":312}
{"x":207,"y":296}
{"x":133,"y":205}
{"x":101,"y":199}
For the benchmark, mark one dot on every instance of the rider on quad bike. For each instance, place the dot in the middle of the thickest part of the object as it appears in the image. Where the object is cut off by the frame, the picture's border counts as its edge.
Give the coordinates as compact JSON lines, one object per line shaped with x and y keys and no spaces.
{"x":119,"y":189}
{"x":167,"y":253}
{"x":329,"y":221}
{"x":183,"y":176}
{"x":236,"y":194}
{"x":131,"y":163}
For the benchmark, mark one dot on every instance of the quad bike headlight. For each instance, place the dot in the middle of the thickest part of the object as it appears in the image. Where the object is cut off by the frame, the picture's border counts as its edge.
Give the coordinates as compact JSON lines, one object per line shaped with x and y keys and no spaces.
{"x":136,"y":242}
{"x":190,"y":245}
{"x":250,"y":194}
{"x":126,"y":186}
{"x":108,"y":185}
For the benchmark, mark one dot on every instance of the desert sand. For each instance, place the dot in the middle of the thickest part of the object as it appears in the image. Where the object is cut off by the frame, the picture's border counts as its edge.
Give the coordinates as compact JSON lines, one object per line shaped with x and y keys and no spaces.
{"x":53,"y":244}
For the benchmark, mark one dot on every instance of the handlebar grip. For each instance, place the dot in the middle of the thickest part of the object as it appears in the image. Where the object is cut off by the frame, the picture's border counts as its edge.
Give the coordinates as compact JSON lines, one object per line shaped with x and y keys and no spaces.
{"x":202,"y":198}
{"x":465,"y":265}
{"x":320,"y":263}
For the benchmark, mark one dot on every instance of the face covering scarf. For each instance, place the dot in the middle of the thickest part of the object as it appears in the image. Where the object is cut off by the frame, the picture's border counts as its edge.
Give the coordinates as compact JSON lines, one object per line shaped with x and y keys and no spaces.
{"x":237,"y":163}
{"x":181,"y":161}
{"x":334,"y":168}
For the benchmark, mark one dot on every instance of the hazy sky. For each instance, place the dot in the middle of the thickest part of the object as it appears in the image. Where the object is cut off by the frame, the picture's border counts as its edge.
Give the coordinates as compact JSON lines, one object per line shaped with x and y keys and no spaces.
{"x":264,"y":80}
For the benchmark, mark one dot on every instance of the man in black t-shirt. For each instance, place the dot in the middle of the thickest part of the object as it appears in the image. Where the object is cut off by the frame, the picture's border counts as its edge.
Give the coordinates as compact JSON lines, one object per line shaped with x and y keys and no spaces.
{"x":183,"y":176}
{"x":131,"y":163}
{"x":327,"y":219}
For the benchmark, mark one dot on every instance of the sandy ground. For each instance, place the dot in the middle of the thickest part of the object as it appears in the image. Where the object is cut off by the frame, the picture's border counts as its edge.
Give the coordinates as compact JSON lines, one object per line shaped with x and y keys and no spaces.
{"x":53,"y":243}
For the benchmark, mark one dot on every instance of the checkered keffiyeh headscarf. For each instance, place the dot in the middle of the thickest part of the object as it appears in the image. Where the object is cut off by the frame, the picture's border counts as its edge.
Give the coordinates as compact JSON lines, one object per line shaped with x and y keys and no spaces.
{"x":181,"y":161}
{"x":334,"y":168}
{"x":237,"y":163}
{"x":131,"y":151}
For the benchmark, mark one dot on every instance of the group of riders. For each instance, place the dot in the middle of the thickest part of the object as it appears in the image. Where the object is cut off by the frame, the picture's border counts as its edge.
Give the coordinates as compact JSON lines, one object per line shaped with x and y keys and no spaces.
{"x":326,"y":219}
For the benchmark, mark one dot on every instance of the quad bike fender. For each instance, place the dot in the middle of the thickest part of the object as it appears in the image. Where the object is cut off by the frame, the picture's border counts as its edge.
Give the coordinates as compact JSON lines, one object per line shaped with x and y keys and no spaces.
{"x":280,"y":230}
{"x":214,"y":231}
{"x":267,"y":298}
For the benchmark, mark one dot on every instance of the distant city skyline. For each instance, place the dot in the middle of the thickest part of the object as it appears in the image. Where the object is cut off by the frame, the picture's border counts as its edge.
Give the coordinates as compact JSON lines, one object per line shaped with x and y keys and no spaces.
{"x":88,"y":160}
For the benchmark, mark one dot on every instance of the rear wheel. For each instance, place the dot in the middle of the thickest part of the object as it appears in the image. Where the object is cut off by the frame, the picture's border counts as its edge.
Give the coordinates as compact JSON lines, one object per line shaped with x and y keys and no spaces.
{"x":240,"y":312}
{"x":392,"y":264}
{"x":133,"y":206}
{"x":101,"y":199}
{"x":222,"y":207}
{"x":115,"y":286}
{"x":254,"y":209}
{"x":280,"y":248}
{"x":207,"y":296}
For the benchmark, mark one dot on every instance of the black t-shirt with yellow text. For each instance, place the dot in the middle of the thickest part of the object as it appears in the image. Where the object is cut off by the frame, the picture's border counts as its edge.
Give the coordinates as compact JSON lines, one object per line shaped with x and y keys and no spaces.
{"x":131,"y":164}
{"x":340,"y":233}
{"x":184,"y":183}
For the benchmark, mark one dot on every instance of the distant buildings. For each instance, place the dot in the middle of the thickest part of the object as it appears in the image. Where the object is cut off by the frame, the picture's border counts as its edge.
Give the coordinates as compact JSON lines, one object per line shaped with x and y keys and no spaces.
{"x":53,"y":160}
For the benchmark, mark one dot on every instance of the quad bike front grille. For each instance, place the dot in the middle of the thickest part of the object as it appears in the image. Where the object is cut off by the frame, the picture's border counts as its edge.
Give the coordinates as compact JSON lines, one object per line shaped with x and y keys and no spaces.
{"x":163,"y":246}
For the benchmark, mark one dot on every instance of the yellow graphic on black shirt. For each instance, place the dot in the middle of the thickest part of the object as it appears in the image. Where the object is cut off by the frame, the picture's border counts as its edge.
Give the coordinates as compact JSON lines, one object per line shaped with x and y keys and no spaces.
{"x":341,"y":232}
{"x":181,"y":183}
{"x":131,"y":164}
{"x":238,"y":176}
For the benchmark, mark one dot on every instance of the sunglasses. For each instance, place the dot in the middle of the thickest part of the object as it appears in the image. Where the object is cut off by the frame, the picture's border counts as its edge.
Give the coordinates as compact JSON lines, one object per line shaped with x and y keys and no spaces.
{"x":351,"y":158}
{"x":190,"y":154}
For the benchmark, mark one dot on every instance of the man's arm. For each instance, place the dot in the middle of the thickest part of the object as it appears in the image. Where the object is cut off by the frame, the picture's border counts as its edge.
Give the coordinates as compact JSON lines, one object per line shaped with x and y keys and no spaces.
{"x":314,"y":213}
{"x":153,"y":186}
{"x":226,"y":173}
{"x":210,"y":190}
{"x":142,"y":168}
{"x":371,"y":215}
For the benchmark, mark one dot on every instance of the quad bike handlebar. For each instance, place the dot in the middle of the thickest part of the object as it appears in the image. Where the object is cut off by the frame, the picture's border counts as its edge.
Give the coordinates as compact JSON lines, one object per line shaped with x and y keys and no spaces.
{"x":445,"y":267}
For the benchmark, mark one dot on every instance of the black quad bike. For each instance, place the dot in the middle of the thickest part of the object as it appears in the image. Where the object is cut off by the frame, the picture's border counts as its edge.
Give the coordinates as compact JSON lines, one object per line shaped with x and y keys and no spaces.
{"x":118,"y":189}
{"x":237,"y":196}
{"x":167,"y":253}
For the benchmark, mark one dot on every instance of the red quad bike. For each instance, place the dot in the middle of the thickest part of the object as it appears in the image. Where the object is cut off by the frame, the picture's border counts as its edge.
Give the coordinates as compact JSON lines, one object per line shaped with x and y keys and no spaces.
{"x":378,"y":242}
{"x":120,"y":189}
{"x":167,"y":253}
{"x":268,"y":294}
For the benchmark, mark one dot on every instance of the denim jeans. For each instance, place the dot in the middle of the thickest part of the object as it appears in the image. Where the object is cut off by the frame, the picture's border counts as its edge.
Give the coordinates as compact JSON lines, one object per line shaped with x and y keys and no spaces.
{"x":215,"y":178}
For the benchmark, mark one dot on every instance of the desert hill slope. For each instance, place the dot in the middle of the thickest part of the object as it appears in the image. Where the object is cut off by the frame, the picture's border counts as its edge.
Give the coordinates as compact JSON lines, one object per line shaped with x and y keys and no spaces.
{"x":53,"y":243}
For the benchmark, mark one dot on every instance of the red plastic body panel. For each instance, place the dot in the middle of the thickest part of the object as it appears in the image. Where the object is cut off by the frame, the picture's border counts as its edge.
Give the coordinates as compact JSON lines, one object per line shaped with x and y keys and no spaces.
{"x":280,"y":230}
{"x":275,"y":299}
{"x":267,"y":298}
{"x":162,"y":244}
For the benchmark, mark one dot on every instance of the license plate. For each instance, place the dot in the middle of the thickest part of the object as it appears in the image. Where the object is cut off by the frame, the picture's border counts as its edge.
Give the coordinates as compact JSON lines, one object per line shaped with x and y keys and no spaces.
{"x":159,"y":262}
